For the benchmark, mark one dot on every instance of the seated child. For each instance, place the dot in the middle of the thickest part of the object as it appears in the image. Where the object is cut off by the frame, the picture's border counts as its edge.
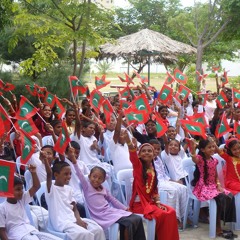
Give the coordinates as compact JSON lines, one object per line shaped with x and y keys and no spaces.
{"x":99,"y":199}
{"x":14,"y":223}
{"x":62,"y":209}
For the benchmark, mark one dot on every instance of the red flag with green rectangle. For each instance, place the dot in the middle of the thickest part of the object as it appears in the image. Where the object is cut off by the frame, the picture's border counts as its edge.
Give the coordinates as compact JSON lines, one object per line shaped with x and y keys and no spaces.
{"x":160,"y":126}
{"x":223,"y":127}
{"x":135,"y":117}
{"x":107,"y":109}
{"x":101,"y":82}
{"x":7,"y":169}
{"x":8,"y":87}
{"x":142,"y":78}
{"x":49,"y":99}
{"x":221,"y":99}
{"x":59,"y":107}
{"x":183,"y":92}
{"x":199,"y":118}
{"x":141,"y":103}
{"x":27,"y":125}
{"x":203,"y":97}
{"x":32,"y":90}
{"x":194,"y":128}
{"x":124,"y":104}
{"x":62,"y":141}
{"x":236,"y":95}
{"x":26,"y":109}
{"x":165,"y":94}
{"x":237,"y":127}
{"x":126,"y":92}
{"x":180,"y":77}
{"x":28,"y":146}
{"x":5,"y":120}
{"x":96,"y":100}
{"x":224,"y":78}
{"x":169,"y":79}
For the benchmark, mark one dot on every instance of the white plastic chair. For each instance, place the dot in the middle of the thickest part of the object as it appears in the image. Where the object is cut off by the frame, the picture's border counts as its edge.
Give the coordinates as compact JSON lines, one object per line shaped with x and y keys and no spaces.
{"x":12,"y":137}
{"x":48,"y":225}
{"x":18,"y":164}
{"x":189,"y":167}
{"x":28,"y":179}
{"x":126,"y":180}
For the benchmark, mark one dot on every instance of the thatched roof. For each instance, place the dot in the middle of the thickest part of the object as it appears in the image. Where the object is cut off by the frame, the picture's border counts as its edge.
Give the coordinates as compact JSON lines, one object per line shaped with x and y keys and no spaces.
{"x":146,"y":43}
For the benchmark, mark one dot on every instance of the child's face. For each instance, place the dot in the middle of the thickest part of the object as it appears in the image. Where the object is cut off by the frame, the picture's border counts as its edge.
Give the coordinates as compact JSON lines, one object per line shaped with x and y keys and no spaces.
{"x":89,"y":130}
{"x":46,"y":112}
{"x":112,"y":124}
{"x":18,"y":191}
{"x":235,"y":150}
{"x":185,"y":103}
{"x":96,"y":178}
{"x":70,"y":117}
{"x":209,"y":150}
{"x":171,"y":133}
{"x":164,"y":112}
{"x":174,"y":147}
{"x":151,"y":128}
{"x":49,"y":153}
{"x":63,"y":177}
{"x":157,"y":149}
{"x":58,"y":129}
{"x":236,"y":114}
{"x":146,"y":154}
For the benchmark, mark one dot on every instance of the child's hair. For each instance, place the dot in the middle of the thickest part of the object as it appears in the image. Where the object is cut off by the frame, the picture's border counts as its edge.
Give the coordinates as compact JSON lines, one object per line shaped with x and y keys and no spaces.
{"x":58,"y":166}
{"x":69,"y":110}
{"x":229,"y":144}
{"x":74,"y":144}
{"x":85,"y":124}
{"x":55,"y":122}
{"x":51,"y":147}
{"x":154,"y":141}
{"x":17,"y":180}
{"x":162,"y":107}
{"x":202,"y":144}
{"x":100,"y":169}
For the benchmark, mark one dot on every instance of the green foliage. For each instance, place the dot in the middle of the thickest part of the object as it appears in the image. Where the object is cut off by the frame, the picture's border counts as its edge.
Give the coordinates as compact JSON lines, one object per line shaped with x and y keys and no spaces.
{"x":5,"y":13}
{"x":103,"y":67}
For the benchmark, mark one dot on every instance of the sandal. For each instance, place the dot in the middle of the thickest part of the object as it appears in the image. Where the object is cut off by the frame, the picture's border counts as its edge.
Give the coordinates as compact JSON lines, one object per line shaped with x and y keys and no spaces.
{"x":226,"y":235}
{"x":230,"y":231}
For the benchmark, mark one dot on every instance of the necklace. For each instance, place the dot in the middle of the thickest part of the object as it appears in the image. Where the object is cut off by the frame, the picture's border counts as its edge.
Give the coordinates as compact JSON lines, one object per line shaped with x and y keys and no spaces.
{"x":235,"y":162}
{"x":149,"y":187}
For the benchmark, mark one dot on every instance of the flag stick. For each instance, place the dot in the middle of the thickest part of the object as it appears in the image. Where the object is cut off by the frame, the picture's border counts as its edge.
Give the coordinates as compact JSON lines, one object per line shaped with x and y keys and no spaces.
{"x":70,"y":83}
{"x":41,"y":117}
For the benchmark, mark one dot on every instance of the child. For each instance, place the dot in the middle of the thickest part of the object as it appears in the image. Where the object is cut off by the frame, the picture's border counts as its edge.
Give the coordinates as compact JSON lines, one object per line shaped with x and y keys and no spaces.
{"x":177,"y":194}
{"x":14,"y":223}
{"x":99,"y":199}
{"x":206,"y":184}
{"x":145,"y":198}
{"x":69,"y":119}
{"x":172,"y":156}
{"x":232,"y":158}
{"x":62,"y":209}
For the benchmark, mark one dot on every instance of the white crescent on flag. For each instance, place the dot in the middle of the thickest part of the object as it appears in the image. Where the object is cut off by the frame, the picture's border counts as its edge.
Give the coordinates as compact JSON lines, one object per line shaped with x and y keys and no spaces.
{"x":141,"y":106}
{"x":24,"y":123}
{"x":95,"y":100}
{"x":4,"y":178}
{"x":25,"y":109}
{"x":27,"y":147}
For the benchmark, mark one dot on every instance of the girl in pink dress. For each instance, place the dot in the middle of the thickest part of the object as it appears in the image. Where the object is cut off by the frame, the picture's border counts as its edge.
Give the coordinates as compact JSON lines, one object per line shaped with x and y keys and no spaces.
{"x":207,"y":186}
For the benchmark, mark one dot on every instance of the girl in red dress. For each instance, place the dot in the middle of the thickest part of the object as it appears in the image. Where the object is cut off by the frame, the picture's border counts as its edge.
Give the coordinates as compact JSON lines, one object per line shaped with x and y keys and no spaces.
{"x":145,"y":198}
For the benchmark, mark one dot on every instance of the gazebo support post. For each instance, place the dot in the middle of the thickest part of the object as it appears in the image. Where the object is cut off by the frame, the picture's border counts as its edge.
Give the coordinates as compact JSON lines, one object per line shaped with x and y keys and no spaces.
{"x":148,"y":70}
{"x":128,"y":66}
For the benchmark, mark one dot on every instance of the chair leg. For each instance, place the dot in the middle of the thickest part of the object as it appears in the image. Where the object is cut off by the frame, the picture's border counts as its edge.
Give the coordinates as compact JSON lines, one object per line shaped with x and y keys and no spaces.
{"x":151,"y":225}
{"x":196,"y":210}
{"x":237,"y":204}
{"x":212,"y":218}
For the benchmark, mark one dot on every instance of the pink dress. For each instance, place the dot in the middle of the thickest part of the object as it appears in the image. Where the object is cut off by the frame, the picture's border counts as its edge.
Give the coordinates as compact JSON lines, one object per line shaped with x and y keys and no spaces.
{"x":208,"y":191}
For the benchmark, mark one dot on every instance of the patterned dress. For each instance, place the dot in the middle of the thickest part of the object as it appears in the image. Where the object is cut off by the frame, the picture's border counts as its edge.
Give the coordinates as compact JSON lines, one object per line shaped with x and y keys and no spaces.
{"x":207,"y":191}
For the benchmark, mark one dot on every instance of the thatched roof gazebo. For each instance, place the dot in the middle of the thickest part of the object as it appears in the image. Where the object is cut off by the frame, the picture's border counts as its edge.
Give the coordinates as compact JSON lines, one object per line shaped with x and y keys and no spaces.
{"x":143,"y":45}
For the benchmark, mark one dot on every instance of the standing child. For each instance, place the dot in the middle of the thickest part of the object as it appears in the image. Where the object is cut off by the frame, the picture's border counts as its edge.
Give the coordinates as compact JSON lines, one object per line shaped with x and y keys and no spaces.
{"x":59,"y":196}
{"x":207,"y":186}
{"x":145,"y":198}
{"x":99,"y":199}
{"x":14,"y":223}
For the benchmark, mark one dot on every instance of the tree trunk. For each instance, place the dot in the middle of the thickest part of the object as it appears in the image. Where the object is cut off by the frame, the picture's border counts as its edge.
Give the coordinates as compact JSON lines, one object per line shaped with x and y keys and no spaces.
{"x":199,"y":59}
{"x":82,"y":59}
{"x":74,"y":57}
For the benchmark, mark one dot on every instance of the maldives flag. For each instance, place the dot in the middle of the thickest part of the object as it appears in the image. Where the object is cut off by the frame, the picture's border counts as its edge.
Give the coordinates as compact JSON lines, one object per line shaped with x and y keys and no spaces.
{"x":7,"y":169}
{"x":40,"y":90}
{"x":180,"y":77}
{"x":224,"y":78}
{"x":165,"y":94}
{"x":183,"y":92}
{"x":8,"y":87}
{"x":26,"y":109}
{"x":101,"y":82}
{"x":126,"y":92}
{"x":236,"y":95}
{"x":141,"y":103}
{"x":28,"y":146}
{"x":87,"y":92}
{"x":194,"y":128}
{"x":127,"y":79}
{"x":63,"y":140}
{"x":76,"y":85}
{"x":136,"y":117}
{"x":203,"y":98}
{"x":201,"y":76}
{"x":169,"y":79}
{"x":96,"y":100}
{"x":142,"y":78}
{"x":199,"y":118}
{"x":49,"y":99}
{"x":32,"y":90}
{"x":160,"y":125}
{"x":60,"y":108}
{"x":221,"y":99}
{"x":236,"y":128}
{"x":27,"y":125}
{"x":4,"y":120}
{"x":107,"y":109}
{"x":215,"y":69}
{"x":124,"y":104}
{"x":223,"y":127}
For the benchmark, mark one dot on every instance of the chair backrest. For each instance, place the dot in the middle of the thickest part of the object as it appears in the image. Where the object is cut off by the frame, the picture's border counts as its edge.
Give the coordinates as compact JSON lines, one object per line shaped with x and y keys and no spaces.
{"x":125,"y":178}
{"x":18,"y":164}
{"x":28,"y":179}
{"x":189,"y":166}
{"x":221,"y":168}
{"x":40,"y":192}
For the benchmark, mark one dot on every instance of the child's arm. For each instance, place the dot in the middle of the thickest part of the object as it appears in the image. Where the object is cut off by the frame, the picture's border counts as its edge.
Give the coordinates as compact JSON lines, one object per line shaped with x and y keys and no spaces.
{"x":77,"y":130}
{"x":219,"y":187}
{"x":118,"y":128}
{"x":165,"y":140}
{"x":48,"y":170}
{"x":193,"y":151}
{"x":36,"y":183}
{"x":3,"y":233}
{"x":115,"y":203}
{"x":79,"y":221}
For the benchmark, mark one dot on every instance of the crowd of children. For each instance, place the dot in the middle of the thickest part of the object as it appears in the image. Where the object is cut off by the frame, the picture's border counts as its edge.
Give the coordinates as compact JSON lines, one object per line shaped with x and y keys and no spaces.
{"x":79,"y":181}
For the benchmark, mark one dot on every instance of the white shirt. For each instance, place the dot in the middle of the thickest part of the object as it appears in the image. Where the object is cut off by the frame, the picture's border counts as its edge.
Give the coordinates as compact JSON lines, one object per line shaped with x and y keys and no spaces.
{"x":210,"y":108}
{"x":13,"y":217}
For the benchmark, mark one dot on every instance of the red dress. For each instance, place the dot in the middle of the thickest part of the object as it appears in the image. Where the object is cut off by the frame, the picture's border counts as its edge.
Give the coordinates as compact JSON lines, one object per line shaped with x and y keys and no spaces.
{"x":232,"y":178}
{"x":142,"y":202}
